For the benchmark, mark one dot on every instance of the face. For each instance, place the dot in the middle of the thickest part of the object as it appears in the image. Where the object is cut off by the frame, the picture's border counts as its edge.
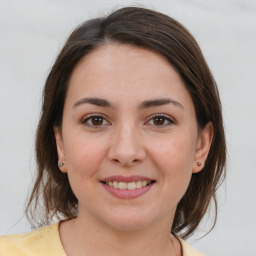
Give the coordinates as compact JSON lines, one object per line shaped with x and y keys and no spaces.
{"x":129,"y":139}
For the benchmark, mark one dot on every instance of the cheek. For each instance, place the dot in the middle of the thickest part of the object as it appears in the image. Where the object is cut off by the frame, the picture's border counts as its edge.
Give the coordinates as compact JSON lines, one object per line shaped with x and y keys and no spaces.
{"x":83,"y":156}
{"x":174,"y":160}
{"x":173,"y":154}
{"x":83,"y":161}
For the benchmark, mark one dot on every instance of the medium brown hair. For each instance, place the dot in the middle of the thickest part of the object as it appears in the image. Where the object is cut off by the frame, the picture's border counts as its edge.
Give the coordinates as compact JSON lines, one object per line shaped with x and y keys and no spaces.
{"x":157,"y":32}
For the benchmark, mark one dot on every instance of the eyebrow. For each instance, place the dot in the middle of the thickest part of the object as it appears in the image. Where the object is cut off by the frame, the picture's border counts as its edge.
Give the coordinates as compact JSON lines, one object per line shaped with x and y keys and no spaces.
{"x":94,"y":101}
{"x":159,"y":102}
{"x":144,"y":105}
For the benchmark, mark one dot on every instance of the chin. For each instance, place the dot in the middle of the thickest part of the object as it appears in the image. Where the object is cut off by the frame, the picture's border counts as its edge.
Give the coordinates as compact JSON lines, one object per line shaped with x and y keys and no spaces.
{"x":129,"y":221}
{"x":129,"y":225}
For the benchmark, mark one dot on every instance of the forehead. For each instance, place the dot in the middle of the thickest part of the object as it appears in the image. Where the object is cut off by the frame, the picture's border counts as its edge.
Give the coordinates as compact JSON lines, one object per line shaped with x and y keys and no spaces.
{"x":124,"y":70}
{"x":116,"y":58}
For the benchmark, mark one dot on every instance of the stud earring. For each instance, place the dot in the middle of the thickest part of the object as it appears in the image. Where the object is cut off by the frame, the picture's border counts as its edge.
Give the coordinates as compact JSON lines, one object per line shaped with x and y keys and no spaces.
{"x":60,"y":164}
{"x":199,"y":163}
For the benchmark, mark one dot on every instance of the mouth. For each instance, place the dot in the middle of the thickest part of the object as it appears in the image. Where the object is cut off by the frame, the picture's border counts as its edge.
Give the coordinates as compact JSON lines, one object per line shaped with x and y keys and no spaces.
{"x":128,"y":185}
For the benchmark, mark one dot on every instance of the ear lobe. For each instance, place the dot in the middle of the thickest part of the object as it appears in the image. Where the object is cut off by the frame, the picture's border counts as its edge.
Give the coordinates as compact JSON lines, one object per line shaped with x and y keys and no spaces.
{"x":60,"y":148}
{"x":203,"y":147}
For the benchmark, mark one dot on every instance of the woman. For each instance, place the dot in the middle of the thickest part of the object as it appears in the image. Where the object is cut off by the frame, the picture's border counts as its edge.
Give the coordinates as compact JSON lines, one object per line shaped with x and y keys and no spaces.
{"x":130,"y":145}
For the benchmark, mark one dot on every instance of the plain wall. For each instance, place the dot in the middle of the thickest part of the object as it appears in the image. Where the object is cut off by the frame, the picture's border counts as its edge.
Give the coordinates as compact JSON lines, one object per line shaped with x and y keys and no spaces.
{"x":32,"y":33}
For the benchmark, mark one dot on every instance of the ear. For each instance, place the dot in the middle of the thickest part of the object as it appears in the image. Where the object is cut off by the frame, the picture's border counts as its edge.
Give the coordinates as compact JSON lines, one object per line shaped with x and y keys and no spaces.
{"x":60,"y":148}
{"x":203,"y":147}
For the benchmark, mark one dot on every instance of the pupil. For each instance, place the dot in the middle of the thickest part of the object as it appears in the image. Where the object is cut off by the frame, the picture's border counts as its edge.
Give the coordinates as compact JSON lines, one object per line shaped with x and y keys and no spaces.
{"x":97,"y":120}
{"x":159,"y":121}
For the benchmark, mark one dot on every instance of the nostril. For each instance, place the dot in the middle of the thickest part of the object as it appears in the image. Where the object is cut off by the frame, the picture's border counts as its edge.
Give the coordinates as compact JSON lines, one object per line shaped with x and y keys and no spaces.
{"x":126,"y":162}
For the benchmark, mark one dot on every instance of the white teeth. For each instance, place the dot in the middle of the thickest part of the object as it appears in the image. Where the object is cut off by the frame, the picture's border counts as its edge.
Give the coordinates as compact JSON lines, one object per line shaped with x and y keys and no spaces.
{"x":144,"y":183}
{"x":130,"y":186}
{"x":138,"y":184}
{"x":122,"y":185}
{"x":115,"y":184}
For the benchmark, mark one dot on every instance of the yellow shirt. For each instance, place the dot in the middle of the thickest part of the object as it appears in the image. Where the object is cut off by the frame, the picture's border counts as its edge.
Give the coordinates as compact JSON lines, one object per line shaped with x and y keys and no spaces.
{"x":46,"y":242}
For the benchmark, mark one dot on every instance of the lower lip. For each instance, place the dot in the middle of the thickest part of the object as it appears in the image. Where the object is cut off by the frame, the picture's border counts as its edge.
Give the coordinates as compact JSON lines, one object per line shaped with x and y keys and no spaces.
{"x":126,"y":193}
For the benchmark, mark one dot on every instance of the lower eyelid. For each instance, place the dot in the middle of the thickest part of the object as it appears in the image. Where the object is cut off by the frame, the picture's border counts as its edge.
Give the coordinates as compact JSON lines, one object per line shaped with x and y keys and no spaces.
{"x":169,"y":119}
{"x":84,"y":120}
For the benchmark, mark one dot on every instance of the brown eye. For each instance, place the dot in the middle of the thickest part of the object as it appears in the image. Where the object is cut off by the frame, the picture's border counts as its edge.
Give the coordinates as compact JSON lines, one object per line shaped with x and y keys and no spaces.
{"x":95,"y":121}
{"x":159,"y":120}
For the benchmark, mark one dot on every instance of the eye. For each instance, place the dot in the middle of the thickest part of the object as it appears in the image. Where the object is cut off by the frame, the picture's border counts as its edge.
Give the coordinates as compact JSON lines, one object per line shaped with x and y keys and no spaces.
{"x":160,"y":120}
{"x":95,"y":121}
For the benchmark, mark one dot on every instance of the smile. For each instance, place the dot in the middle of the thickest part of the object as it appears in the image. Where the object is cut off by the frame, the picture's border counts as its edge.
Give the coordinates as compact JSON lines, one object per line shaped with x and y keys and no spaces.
{"x":127,"y":187}
{"x":130,"y":186}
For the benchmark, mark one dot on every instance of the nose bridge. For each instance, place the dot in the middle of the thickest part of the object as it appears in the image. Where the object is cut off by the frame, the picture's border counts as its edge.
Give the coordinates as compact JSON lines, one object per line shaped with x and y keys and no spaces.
{"x":126,"y":147}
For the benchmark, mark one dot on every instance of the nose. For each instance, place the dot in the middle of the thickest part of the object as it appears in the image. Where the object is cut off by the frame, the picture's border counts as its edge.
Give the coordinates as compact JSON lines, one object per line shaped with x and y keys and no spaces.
{"x":126,"y":147}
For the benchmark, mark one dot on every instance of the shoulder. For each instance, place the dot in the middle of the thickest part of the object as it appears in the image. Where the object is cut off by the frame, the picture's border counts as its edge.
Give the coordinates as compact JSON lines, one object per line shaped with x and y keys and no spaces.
{"x":188,"y":250}
{"x":39,"y":242}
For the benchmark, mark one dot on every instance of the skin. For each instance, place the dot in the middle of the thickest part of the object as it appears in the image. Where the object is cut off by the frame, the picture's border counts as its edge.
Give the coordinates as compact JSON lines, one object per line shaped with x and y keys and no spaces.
{"x":127,"y":140}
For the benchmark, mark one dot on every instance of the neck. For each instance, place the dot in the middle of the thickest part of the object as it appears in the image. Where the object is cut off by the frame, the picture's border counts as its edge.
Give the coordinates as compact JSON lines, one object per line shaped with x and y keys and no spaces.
{"x":82,"y":236}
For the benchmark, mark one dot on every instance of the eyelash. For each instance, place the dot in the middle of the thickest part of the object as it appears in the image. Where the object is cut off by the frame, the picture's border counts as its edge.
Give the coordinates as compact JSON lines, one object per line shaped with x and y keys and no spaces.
{"x":89,"y":118}
{"x":154,"y":117}
{"x":166,"y":118}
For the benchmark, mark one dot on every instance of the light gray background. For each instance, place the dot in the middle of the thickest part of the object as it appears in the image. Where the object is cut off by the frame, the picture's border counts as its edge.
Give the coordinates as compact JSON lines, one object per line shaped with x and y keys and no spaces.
{"x":32,"y":33}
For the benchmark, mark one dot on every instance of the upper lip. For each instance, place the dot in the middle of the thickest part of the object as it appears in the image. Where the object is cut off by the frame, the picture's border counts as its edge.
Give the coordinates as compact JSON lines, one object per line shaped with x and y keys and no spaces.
{"x":126,"y":179}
